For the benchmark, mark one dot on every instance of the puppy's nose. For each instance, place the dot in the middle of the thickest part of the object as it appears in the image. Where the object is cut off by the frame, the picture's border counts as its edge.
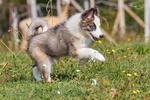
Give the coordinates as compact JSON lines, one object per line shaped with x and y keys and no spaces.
{"x":101,"y":36}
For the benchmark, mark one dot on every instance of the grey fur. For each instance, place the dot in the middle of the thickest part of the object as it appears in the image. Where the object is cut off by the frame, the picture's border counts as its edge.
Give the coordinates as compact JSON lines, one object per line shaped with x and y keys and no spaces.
{"x":55,"y":42}
{"x":60,"y":41}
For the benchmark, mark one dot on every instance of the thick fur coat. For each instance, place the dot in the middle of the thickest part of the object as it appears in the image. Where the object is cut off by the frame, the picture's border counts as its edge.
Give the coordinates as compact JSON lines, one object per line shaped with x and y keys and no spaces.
{"x":70,"y":38}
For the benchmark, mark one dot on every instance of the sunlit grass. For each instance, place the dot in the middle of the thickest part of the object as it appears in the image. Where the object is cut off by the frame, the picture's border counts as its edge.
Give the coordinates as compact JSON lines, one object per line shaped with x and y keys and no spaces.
{"x":124,"y":76}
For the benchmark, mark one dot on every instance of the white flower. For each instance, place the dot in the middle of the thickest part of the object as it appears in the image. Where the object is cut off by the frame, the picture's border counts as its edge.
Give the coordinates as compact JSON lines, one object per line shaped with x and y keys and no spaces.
{"x":94,"y":82}
{"x":58,"y":92}
{"x":59,"y":82}
{"x":78,"y":70}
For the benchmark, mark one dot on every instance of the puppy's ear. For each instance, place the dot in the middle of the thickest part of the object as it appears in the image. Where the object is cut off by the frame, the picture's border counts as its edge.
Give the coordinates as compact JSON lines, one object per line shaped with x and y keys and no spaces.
{"x":88,"y":14}
{"x":96,"y":12}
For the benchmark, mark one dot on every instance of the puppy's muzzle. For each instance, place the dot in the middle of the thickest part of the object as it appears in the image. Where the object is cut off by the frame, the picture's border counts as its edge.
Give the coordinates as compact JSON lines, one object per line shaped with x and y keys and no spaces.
{"x":101,"y":36}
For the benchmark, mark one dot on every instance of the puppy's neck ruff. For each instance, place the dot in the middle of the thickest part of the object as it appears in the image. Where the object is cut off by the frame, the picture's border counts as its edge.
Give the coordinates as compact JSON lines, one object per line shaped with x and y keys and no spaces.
{"x":73,"y":26}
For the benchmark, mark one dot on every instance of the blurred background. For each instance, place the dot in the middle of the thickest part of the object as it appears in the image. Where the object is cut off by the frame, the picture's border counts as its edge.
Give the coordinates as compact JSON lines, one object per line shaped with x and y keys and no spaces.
{"x":121,"y":20}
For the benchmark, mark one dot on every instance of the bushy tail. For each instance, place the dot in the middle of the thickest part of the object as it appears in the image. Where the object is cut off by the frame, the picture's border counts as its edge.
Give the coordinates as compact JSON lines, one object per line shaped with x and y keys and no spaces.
{"x":37,"y":23}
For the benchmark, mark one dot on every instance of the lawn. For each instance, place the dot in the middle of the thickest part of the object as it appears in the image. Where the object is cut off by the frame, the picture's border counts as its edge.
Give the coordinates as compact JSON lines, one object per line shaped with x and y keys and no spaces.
{"x":124,"y":76}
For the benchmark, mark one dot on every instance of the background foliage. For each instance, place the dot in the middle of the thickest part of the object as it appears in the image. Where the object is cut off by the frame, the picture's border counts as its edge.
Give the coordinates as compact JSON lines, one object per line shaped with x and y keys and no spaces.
{"x":106,"y":11}
{"x":124,"y":76}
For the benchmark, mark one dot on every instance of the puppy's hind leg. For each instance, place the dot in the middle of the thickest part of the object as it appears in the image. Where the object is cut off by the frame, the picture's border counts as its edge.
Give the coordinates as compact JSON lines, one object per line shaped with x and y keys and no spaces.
{"x":36,"y":73}
{"x":44,"y":63}
{"x":45,"y":66}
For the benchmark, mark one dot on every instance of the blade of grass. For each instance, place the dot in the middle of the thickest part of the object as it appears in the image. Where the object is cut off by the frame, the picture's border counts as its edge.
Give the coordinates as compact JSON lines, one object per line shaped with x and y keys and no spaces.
{"x":10,"y":50}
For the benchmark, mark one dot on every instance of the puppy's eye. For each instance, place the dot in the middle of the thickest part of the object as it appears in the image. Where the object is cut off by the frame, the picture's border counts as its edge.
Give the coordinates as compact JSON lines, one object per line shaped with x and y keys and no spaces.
{"x":93,"y":27}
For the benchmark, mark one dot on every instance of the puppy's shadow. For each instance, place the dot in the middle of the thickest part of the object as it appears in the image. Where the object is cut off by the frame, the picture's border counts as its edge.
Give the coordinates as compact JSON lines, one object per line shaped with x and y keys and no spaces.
{"x":63,"y":77}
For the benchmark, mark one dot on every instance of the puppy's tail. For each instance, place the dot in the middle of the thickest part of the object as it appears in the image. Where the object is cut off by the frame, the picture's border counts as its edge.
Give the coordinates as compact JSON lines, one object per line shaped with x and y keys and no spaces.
{"x":35,"y":25}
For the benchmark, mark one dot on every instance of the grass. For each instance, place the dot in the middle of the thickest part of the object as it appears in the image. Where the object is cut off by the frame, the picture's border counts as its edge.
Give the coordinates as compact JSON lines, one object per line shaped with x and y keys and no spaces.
{"x":124,"y":76}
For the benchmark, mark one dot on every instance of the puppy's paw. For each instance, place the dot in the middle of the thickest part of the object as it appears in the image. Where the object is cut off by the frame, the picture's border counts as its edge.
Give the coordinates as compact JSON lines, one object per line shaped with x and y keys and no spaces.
{"x":100,"y":57}
{"x":38,"y":79}
{"x":96,"y":55}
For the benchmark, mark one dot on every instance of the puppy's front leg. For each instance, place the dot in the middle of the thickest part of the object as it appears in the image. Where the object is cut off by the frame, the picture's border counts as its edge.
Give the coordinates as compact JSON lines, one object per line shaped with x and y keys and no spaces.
{"x":90,"y":53}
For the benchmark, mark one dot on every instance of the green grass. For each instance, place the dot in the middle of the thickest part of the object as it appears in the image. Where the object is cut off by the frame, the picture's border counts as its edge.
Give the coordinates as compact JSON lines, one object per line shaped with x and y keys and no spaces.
{"x":124,"y":76}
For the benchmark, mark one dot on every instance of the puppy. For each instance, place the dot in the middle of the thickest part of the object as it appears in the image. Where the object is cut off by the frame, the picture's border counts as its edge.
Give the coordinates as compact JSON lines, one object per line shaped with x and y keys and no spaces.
{"x":70,"y":38}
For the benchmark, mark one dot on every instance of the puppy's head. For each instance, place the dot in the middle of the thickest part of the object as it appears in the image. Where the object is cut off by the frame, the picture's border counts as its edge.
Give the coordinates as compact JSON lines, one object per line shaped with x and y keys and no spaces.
{"x":91,"y":24}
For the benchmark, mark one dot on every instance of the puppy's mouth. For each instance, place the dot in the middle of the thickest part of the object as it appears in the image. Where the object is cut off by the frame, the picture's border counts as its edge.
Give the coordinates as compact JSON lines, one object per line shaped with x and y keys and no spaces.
{"x":93,"y":37}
